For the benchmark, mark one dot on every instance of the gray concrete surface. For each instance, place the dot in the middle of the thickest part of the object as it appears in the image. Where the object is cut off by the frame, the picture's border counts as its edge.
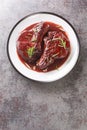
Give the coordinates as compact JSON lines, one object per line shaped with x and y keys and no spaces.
{"x":30,"y":105}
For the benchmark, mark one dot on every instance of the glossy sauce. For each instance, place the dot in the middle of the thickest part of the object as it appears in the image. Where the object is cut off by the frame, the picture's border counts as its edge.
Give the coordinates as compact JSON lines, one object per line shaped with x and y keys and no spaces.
{"x":58,"y":62}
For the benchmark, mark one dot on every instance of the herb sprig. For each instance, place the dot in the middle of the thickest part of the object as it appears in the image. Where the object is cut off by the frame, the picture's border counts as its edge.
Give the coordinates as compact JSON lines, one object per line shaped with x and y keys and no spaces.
{"x":62,"y":42}
{"x":30,"y":51}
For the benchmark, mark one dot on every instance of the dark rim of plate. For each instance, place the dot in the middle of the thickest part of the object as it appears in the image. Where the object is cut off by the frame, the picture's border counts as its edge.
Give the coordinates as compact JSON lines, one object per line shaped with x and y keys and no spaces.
{"x":29,"y":16}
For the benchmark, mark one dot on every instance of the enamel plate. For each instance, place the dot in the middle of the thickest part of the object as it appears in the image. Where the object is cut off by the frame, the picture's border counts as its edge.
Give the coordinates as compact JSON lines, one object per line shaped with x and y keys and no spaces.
{"x":40,"y":76}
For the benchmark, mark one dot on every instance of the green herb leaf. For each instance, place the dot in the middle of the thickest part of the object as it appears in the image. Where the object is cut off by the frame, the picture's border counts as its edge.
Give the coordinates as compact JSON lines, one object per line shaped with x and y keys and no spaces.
{"x":30,"y":51}
{"x":62,"y":42}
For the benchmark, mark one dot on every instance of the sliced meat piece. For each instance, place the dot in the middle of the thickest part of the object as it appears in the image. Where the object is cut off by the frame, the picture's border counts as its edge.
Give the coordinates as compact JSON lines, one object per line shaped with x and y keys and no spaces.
{"x":56,"y":46}
{"x":29,"y":44}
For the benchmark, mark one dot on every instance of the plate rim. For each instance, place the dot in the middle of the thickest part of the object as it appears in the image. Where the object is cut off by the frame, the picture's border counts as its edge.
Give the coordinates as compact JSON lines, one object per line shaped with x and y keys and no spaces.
{"x":51,"y":13}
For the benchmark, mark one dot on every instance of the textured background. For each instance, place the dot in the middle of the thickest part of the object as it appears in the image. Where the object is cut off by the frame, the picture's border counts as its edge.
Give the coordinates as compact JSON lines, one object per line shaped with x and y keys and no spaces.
{"x":30,"y":105}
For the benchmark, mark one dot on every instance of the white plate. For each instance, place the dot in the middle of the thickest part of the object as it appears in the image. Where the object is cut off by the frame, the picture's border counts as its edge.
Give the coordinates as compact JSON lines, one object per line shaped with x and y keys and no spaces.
{"x":39,"y":76}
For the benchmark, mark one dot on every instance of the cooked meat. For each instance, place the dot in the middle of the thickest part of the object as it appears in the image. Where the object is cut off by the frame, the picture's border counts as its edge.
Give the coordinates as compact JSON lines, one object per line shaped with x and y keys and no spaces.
{"x":29,"y":44}
{"x":55,"y":47}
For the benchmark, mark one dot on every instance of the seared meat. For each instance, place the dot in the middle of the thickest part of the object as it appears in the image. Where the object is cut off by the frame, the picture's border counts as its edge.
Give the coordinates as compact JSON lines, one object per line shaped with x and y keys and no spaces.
{"x":55,"y":47}
{"x":29,"y":44}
